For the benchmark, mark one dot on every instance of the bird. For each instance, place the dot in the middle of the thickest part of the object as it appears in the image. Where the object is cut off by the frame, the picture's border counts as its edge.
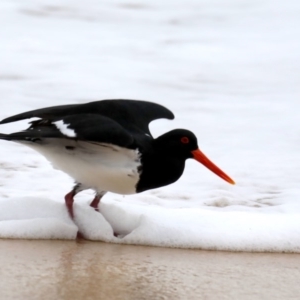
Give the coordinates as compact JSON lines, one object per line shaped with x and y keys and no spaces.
{"x":107,"y":146}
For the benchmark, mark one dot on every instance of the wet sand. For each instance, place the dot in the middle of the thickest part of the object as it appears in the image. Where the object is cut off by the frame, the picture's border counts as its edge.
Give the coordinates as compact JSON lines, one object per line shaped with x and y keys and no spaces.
{"x":93,"y":270}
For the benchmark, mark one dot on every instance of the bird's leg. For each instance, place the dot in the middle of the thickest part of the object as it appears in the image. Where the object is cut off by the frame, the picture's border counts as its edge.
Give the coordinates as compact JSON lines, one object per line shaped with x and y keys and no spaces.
{"x":95,"y":204}
{"x":97,"y":199}
{"x":69,"y":198}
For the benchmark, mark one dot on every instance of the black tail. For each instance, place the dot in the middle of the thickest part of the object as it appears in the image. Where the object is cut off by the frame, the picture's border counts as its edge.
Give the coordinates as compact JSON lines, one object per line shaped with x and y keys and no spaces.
{"x":18,"y":137}
{"x":32,"y":134}
{"x":4,"y":137}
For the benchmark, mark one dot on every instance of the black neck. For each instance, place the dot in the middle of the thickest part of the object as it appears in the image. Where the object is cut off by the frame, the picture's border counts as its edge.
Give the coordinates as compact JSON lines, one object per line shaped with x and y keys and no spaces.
{"x":159,"y":170}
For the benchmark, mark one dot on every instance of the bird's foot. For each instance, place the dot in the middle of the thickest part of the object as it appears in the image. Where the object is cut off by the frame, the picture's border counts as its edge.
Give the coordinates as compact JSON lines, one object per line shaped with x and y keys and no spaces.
{"x":80,"y":236}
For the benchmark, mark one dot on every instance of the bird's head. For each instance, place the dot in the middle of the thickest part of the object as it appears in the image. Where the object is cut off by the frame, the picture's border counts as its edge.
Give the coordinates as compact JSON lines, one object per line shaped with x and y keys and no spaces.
{"x":183,"y":143}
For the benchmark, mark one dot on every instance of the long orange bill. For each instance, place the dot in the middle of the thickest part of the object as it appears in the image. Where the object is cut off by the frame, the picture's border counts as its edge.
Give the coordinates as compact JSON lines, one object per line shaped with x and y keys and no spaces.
{"x":199,"y":156}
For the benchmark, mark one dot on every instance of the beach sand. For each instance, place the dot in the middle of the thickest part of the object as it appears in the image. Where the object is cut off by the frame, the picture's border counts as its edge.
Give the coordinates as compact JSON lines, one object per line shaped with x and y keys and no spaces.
{"x":41,"y":269}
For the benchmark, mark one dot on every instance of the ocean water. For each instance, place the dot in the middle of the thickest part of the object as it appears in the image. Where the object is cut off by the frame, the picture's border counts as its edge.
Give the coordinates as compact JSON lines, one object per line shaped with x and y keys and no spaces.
{"x":230,"y":72}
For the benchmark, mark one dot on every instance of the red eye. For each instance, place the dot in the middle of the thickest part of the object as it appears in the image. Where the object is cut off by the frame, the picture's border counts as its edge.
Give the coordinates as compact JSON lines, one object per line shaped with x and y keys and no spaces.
{"x":185,"y":140}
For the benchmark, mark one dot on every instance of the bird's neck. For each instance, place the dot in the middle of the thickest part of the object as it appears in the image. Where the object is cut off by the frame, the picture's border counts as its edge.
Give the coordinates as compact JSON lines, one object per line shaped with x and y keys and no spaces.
{"x":159,"y":169}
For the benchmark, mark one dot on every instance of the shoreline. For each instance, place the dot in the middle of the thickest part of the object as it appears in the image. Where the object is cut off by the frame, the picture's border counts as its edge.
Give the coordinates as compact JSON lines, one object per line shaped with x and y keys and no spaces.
{"x":52,"y":269}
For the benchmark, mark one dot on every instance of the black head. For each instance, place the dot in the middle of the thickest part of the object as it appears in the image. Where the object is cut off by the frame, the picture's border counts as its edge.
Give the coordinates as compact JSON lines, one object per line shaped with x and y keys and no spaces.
{"x":178,"y":142}
{"x":183,"y":144}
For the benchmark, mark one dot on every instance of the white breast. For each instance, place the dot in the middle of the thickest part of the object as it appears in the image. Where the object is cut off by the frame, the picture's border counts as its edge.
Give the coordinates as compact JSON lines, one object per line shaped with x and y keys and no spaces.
{"x":103,"y":167}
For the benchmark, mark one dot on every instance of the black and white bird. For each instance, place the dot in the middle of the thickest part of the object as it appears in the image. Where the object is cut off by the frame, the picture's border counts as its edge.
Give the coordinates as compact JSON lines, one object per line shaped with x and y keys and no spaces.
{"x":106,"y":146}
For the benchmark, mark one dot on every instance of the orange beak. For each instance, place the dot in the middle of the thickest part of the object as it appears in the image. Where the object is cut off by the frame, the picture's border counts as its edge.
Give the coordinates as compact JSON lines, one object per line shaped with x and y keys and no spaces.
{"x":199,"y":156}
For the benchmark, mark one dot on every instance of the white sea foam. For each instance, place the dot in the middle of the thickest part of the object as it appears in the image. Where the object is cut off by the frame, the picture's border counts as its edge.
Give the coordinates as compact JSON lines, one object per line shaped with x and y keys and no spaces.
{"x":229,"y":72}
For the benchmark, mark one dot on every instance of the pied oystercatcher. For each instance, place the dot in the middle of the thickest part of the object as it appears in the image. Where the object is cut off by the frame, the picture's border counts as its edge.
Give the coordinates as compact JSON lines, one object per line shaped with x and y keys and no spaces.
{"x":107,"y":146}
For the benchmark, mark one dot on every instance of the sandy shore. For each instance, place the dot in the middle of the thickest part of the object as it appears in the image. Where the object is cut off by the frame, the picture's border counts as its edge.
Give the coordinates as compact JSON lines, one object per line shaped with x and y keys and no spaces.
{"x":93,"y":270}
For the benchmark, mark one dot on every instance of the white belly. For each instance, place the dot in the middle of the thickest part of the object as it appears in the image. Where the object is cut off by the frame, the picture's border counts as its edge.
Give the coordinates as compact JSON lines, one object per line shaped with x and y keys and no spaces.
{"x":102,"y":167}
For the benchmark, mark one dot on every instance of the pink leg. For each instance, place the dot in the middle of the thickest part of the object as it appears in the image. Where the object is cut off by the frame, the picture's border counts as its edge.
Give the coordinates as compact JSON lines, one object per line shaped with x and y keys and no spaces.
{"x":95,"y":203}
{"x":96,"y":200}
{"x":69,"y":199}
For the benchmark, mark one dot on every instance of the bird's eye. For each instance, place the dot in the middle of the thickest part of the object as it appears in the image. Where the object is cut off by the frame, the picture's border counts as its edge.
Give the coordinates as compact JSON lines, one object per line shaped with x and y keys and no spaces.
{"x":185,"y":140}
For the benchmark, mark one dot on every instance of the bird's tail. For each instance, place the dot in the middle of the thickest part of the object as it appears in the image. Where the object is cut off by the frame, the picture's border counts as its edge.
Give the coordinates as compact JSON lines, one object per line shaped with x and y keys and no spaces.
{"x":20,"y":137}
{"x":4,"y":137}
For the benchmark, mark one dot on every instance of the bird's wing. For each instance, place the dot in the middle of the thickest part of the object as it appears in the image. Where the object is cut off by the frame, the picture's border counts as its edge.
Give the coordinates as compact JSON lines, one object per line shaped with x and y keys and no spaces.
{"x":84,"y":127}
{"x":133,"y":115}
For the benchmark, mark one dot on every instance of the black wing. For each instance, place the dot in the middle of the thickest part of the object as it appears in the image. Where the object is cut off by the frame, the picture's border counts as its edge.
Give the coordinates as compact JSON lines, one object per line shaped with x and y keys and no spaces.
{"x":86,"y":127}
{"x":133,"y":115}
